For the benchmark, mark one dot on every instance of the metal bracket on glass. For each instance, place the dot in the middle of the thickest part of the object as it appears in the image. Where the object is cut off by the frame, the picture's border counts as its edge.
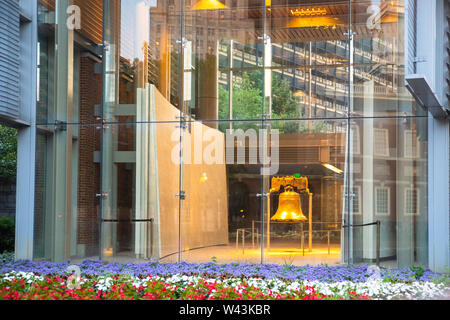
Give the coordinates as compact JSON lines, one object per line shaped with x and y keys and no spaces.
{"x":104,"y":124}
{"x":265,"y":38}
{"x":60,"y":125}
{"x":183,"y":122}
{"x":105,"y":46}
{"x":351,"y":195}
{"x":350,"y":34}
{"x":264,"y":125}
{"x":265,"y":117}
{"x":181,"y":195}
{"x":183,"y":125}
{"x":352,"y":114}
{"x":262,"y":195}
{"x":99,"y":49}
{"x":183,"y":42}
{"x":103,"y":195}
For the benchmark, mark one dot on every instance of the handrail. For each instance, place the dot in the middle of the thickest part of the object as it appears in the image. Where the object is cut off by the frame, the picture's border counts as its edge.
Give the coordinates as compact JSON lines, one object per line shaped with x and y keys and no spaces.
{"x":378,"y":224}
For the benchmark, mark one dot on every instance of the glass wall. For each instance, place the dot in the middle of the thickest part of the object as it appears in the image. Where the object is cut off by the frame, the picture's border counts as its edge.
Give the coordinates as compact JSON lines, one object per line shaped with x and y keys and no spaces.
{"x":229,"y":131}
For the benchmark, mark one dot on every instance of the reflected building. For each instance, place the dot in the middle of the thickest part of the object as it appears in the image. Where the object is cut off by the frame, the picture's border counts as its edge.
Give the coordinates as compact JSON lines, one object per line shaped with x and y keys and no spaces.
{"x":162,"y":126}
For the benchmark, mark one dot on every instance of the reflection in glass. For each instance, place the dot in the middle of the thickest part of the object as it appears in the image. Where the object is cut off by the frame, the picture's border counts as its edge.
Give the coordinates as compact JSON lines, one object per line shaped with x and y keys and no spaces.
{"x":389,"y":183}
{"x":178,"y":142}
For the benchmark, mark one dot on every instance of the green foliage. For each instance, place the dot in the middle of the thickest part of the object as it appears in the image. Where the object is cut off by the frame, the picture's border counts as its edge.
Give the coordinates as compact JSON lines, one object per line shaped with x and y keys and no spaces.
{"x":247,"y":105}
{"x":443,"y":278}
{"x":288,"y":263}
{"x":8,"y":151}
{"x":7,"y":232}
{"x":6,"y":257}
{"x":247,"y":102}
{"x":419,"y":271}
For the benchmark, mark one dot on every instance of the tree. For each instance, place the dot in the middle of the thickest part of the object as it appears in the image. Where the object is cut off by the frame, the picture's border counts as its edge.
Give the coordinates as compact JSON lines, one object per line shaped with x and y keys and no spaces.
{"x":8,"y":152}
{"x":247,"y":102}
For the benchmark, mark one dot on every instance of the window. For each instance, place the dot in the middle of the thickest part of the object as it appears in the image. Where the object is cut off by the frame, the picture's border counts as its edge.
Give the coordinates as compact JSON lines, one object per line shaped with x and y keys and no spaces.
{"x":411,"y":144}
{"x":356,"y":199}
{"x":381,"y":142}
{"x":355,"y":139}
{"x":411,"y":202}
{"x":382,"y":201}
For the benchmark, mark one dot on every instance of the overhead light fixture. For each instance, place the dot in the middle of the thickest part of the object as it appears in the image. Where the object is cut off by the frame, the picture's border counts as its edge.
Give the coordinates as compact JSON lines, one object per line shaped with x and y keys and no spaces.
{"x":208,"y":5}
{"x":317,"y":21}
{"x":332,"y":168}
{"x":308,"y":12}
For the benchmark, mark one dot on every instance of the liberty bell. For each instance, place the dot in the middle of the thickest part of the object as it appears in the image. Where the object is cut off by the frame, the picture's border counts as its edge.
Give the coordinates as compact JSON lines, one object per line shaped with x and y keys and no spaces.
{"x":289,"y":207}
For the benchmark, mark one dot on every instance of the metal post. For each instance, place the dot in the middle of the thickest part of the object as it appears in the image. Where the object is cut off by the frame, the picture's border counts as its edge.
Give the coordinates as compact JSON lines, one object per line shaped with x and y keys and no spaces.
{"x":268,"y":221}
{"x":230,"y":84}
{"x":328,"y":241}
{"x":253,"y":234}
{"x":309,"y":87}
{"x":378,"y":242}
{"x":303,"y":245}
{"x":243,"y":240}
{"x":310,"y":222}
{"x":63,"y":139}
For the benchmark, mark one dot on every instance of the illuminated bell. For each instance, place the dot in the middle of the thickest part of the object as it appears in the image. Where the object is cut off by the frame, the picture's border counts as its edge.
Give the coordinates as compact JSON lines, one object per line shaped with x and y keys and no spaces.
{"x":289,"y":208}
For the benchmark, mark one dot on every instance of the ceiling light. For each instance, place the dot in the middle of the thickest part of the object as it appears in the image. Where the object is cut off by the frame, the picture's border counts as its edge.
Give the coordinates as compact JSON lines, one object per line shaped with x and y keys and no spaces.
{"x":332,"y":168}
{"x":208,"y":5}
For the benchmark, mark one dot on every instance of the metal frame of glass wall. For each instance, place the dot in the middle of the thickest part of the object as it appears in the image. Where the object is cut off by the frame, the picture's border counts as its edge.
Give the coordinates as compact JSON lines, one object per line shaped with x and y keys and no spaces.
{"x":329,"y":73}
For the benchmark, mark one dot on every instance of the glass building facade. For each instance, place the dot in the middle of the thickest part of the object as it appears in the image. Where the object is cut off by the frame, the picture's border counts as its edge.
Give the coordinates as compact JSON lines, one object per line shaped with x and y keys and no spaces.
{"x":171,"y":130}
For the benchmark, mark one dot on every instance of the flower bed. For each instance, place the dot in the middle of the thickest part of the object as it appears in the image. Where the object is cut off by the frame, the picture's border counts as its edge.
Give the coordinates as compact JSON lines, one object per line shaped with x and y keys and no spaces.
{"x":152,"y":280}
{"x":27,"y":285}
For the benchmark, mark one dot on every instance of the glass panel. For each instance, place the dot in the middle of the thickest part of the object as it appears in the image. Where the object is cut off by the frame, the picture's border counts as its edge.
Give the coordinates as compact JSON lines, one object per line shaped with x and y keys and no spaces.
{"x":378,"y":60}
{"x":222,"y":60}
{"x":304,"y":204}
{"x":60,"y":61}
{"x":225,"y":215}
{"x":75,"y":164}
{"x":45,"y":63}
{"x":140,"y":206}
{"x":277,"y":77}
{"x":308,"y":56}
{"x":143,"y":43}
{"x":389,"y":184}
{"x":221,"y":217}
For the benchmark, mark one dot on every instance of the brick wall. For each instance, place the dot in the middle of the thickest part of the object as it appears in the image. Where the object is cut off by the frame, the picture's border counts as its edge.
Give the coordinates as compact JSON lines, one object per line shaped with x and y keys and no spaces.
{"x":88,"y":171}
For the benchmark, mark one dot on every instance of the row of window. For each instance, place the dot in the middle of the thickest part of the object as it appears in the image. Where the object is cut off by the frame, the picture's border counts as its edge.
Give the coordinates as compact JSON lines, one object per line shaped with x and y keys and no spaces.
{"x":383,"y":201}
{"x":411,"y":147}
